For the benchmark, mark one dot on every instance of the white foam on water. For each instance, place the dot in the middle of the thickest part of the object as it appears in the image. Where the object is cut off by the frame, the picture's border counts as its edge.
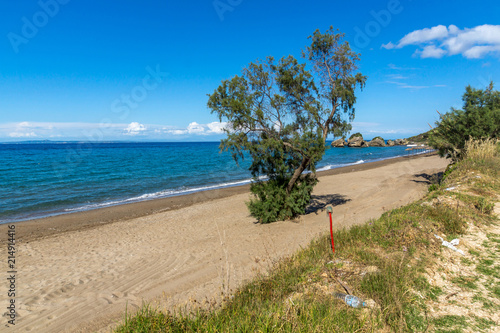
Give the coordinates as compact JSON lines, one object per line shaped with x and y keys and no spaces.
{"x":335,"y":166}
{"x":161,"y":194}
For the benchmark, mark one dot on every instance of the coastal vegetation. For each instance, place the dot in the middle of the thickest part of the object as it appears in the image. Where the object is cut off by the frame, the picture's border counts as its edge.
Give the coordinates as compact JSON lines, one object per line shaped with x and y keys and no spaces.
{"x":410,"y":282}
{"x":355,"y":135}
{"x":280,"y":113}
{"x":420,"y":138}
{"x":479,"y":119}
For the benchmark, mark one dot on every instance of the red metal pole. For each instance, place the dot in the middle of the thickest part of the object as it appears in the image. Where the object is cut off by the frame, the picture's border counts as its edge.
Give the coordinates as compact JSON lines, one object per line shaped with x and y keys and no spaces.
{"x":331,"y":231}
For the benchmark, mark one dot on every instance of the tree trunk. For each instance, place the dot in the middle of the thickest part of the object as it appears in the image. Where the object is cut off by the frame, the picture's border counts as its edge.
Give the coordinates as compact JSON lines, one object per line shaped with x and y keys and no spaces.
{"x":296,"y":174}
{"x":303,"y":165}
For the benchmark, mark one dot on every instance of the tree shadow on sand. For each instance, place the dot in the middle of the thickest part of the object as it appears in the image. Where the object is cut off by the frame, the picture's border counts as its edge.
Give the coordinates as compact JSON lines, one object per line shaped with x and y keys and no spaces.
{"x":319,"y":202}
{"x":434,"y":178}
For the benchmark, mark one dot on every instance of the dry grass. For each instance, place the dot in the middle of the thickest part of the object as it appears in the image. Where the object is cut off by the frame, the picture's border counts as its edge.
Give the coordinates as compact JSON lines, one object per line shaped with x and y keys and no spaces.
{"x":481,"y":149}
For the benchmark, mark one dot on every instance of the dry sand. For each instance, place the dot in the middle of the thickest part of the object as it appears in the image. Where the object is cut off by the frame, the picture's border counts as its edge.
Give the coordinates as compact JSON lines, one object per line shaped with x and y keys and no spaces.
{"x":78,"y":272}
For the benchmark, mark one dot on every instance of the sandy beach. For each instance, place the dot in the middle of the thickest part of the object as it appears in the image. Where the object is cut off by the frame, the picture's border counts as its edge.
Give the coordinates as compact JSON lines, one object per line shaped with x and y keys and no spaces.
{"x":78,"y":272}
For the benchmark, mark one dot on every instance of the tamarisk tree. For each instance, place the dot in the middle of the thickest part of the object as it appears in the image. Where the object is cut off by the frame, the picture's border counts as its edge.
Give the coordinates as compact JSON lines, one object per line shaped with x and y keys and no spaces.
{"x":280,"y":113}
{"x":479,"y":119}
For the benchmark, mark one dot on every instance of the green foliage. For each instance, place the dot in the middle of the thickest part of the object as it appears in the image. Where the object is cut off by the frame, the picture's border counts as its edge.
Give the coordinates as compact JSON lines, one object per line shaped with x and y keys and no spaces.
{"x":448,"y":171}
{"x":355,"y":135}
{"x":420,"y":138}
{"x":148,"y":319}
{"x":479,"y":119}
{"x":449,"y":321}
{"x":378,"y":137}
{"x":484,"y":206}
{"x":280,"y":113}
{"x":273,"y":203}
{"x":341,"y":130}
{"x":433,"y":187}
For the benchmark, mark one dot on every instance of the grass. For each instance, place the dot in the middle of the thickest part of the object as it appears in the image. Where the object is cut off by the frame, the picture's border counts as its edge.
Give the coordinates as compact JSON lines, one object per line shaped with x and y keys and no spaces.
{"x":466,"y":282}
{"x":474,"y":253}
{"x":496,"y":291}
{"x":481,"y":150}
{"x":444,"y":323}
{"x":383,"y":261}
{"x":466,"y":261}
{"x":487,"y":304}
{"x":483,"y":324}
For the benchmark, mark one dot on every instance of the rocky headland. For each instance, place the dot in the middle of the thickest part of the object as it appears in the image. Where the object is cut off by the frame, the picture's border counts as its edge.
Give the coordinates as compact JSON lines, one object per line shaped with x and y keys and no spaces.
{"x":356,"y":140}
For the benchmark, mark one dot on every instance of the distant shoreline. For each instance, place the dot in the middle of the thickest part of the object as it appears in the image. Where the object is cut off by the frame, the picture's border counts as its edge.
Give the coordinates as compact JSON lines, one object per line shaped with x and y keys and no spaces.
{"x":51,"y":225}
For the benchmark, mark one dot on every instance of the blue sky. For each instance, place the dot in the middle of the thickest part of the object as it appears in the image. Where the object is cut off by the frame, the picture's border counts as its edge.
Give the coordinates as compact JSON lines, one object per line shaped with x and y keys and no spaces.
{"x":141,"y":71}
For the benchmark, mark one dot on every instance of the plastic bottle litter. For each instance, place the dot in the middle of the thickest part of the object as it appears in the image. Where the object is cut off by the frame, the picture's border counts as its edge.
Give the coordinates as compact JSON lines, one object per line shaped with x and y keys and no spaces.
{"x":350,"y":300}
{"x":450,"y":245}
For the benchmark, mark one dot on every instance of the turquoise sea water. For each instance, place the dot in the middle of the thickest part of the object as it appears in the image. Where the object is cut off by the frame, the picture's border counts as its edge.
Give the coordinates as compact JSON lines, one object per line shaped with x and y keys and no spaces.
{"x":44,"y":179}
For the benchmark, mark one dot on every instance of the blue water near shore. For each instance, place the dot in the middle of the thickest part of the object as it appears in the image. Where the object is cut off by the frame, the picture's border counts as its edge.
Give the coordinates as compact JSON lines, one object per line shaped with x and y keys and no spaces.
{"x":44,"y":179}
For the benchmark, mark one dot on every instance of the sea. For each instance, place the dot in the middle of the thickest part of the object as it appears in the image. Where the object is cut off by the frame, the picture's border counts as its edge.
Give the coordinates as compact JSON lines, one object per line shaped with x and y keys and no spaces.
{"x":46,"y":179}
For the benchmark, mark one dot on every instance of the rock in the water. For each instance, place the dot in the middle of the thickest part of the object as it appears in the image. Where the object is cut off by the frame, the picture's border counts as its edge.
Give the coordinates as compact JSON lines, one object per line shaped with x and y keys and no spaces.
{"x":365,"y":144}
{"x":355,"y":141}
{"x":390,"y":143}
{"x":339,"y":143}
{"x":401,"y":142}
{"x":377,"y":142}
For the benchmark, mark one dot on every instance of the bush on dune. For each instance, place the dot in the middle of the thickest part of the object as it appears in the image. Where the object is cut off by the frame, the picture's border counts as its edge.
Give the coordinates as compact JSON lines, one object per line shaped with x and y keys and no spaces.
{"x":479,"y":119}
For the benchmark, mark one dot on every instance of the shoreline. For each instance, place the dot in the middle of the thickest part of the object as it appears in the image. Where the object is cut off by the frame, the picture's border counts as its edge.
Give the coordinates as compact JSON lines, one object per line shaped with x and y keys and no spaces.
{"x":163,"y":193}
{"x":80,"y":275}
{"x":44,"y":227}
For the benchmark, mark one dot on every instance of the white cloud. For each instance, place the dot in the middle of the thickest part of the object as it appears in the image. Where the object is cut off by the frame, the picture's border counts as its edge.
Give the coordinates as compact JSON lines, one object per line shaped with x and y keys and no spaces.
{"x":23,"y":135}
{"x":105,"y":131}
{"x":134,"y":128}
{"x":431,"y":51}
{"x":424,"y":35}
{"x":362,"y":124}
{"x":200,"y":129}
{"x":392,"y":66}
{"x":406,"y":86}
{"x":396,"y":79}
{"x":484,"y":36}
{"x":23,"y":130}
{"x":177,"y":132}
{"x":477,"y":52}
{"x":217,"y":127}
{"x":388,"y":46}
{"x":440,"y":41}
{"x":195,"y":128}
{"x":396,"y":76}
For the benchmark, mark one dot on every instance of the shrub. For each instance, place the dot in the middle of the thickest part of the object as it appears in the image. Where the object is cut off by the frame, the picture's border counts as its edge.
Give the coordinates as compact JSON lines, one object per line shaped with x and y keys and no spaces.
{"x":433,"y":187}
{"x":272,"y":202}
{"x":479,"y":119}
{"x":355,"y":135}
